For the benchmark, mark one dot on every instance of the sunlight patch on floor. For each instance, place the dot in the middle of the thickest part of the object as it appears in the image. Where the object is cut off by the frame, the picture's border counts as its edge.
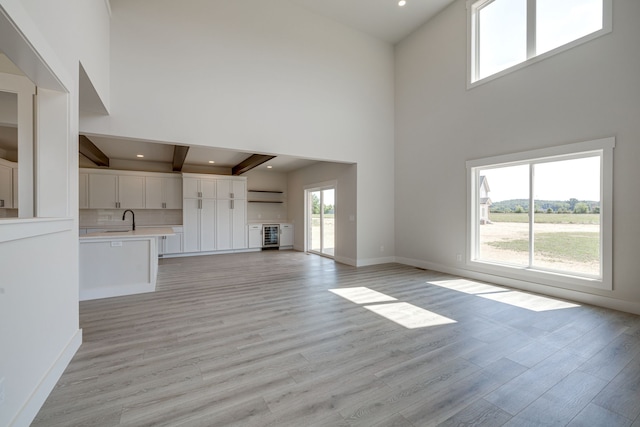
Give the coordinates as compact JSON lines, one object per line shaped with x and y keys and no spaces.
{"x":362,"y":295}
{"x":408,"y":315}
{"x":504,"y":295}
{"x":529,"y":301}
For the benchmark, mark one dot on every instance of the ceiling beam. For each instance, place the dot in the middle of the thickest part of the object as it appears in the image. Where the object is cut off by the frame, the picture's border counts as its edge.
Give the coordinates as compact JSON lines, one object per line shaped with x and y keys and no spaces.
{"x":91,"y":152}
{"x":179,"y":156}
{"x":249,"y":163}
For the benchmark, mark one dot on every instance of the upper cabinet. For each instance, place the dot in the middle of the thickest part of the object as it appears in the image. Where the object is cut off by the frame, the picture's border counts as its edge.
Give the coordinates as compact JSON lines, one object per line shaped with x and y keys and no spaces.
{"x":197,"y":187}
{"x":231,"y":188}
{"x":163,"y":192}
{"x":109,"y":189}
{"x":6,"y":186}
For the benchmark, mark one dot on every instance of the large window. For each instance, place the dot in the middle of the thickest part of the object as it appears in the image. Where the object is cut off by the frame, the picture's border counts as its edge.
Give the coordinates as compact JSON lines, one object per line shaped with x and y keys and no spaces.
{"x":506,"y":33}
{"x":544,"y":215}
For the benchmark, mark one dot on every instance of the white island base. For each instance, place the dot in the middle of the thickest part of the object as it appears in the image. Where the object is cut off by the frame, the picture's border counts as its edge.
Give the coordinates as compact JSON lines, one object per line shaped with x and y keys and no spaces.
{"x":117,"y":264}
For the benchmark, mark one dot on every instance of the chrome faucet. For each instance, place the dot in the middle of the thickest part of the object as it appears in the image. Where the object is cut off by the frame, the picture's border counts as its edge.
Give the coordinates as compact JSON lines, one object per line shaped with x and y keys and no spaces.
{"x":133,"y":218}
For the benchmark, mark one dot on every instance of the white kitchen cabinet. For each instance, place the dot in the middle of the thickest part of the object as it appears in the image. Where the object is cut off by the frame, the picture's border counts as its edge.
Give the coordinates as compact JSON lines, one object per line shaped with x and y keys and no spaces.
{"x":168,"y":245}
{"x":231,"y":188}
{"x":107,"y":191}
{"x":198,"y":187}
{"x":198,"y":219}
{"x":163,"y":192}
{"x":231,"y":222}
{"x":255,"y":236}
{"x":6,"y":186}
{"x":286,"y":235}
{"x":83,"y":202}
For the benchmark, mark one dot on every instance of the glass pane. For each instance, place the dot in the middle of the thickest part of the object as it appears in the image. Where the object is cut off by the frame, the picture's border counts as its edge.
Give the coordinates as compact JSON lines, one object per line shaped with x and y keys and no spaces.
{"x":503,"y":198}
{"x":314,"y":243}
{"x":502,"y":35}
{"x":567,"y":215}
{"x":328,"y":224}
{"x":561,"y":22}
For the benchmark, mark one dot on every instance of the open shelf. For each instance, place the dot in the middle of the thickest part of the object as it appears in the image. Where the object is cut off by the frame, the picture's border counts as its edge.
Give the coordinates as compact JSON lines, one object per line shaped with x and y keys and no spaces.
{"x":265,"y":191}
{"x":264,"y":201}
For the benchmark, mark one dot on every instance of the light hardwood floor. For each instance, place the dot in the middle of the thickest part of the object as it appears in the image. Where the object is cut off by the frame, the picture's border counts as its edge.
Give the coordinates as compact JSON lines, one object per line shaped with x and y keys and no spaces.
{"x":259,"y":340}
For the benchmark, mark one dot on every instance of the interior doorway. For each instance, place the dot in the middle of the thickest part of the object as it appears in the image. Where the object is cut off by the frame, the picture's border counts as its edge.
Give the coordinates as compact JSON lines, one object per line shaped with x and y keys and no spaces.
{"x":320,"y":214}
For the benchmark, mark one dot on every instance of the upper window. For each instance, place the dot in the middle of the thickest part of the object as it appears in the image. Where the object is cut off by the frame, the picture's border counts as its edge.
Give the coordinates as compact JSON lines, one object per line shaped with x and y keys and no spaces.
{"x":505,"y":33}
{"x":544,"y":214}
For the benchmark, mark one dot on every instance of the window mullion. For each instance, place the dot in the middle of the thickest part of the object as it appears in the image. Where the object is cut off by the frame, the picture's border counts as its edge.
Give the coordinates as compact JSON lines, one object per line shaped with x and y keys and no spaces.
{"x":531,"y":213}
{"x":531,"y":28}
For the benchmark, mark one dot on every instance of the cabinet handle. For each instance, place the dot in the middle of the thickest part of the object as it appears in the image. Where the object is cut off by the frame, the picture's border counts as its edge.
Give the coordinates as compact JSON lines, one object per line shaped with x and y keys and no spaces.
{"x":1,"y":203}
{"x":199,"y":204}
{"x":232,"y":206}
{"x":232,"y":196}
{"x":199,"y":193}
{"x":164,"y":205}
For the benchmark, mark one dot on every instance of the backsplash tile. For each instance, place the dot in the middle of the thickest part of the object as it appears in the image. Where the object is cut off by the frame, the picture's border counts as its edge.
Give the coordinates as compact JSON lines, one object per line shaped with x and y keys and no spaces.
{"x":113,"y":217}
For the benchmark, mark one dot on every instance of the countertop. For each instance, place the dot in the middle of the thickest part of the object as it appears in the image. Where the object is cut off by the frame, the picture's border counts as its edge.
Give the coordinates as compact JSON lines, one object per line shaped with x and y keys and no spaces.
{"x":140,"y":232}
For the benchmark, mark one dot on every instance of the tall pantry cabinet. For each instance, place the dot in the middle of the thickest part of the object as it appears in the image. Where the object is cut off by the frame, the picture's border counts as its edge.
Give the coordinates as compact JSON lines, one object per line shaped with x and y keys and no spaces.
{"x":214,"y":212}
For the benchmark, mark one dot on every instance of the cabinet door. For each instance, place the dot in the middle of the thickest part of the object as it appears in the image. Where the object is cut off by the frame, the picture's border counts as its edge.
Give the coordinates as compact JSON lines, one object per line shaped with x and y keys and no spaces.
{"x":153,"y":198}
{"x":223,"y":225}
{"x":83,"y":201}
{"x":190,"y":188}
{"x":255,"y":236}
{"x":15,"y":187}
{"x":6,"y":187}
{"x":239,"y":224}
{"x":173,"y":244}
{"x":131,"y":192}
{"x":208,"y":188}
{"x":191,"y":225}
{"x":239,"y":189}
{"x":286,"y":234}
{"x":208,"y":225}
{"x":172,"y":193}
{"x":103,"y":191}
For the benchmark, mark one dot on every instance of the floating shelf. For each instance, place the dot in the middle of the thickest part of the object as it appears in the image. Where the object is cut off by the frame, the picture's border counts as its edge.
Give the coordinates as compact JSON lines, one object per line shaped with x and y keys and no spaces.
{"x":263,"y":201}
{"x":265,"y":191}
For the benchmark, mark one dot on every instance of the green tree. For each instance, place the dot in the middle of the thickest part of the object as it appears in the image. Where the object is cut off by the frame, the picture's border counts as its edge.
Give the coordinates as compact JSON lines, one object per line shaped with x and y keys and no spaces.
{"x":315,"y":204}
{"x":581,"y":208}
{"x":519,"y":209}
{"x":328,"y":209}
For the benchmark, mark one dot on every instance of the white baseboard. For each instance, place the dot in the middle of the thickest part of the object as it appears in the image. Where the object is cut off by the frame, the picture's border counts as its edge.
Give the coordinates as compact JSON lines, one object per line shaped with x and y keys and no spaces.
{"x":27,"y":414}
{"x":345,"y":260}
{"x":374,"y":261}
{"x":116,"y":291}
{"x":583,"y":297}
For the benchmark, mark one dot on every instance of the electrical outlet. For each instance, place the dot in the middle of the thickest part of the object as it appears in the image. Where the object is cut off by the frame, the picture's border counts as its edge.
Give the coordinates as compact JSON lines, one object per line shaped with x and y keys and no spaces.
{"x":381,"y":248}
{"x":1,"y":391}
{"x":459,"y":257}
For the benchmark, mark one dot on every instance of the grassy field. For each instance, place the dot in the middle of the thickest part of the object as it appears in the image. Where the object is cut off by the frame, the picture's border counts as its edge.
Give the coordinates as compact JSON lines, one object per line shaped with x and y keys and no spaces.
{"x":574,"y":246}
{"x":544,"y":218}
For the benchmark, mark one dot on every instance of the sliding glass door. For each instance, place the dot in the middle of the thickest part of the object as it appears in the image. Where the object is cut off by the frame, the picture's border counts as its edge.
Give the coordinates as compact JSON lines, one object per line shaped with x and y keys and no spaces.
{"x":321,"y":208}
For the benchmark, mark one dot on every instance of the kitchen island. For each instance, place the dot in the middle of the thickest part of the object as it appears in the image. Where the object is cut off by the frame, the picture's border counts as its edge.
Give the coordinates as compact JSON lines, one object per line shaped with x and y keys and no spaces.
{"x":116,"y":263}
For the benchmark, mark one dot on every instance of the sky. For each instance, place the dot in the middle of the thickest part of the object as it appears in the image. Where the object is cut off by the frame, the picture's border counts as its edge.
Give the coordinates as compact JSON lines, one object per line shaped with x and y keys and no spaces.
{"x":563,"y":180}
{"x":503,"y":29}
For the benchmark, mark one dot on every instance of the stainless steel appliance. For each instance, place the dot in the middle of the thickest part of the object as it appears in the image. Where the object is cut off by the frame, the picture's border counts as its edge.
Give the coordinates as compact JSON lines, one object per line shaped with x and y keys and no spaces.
{"x":271,"y":235}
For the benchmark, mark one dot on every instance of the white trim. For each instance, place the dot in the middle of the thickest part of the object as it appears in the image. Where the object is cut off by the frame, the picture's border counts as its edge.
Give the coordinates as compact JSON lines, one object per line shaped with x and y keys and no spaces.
{"x":30,"y":409}
{"x":601,"y":147}
{"x":472,"y":36}
{"x":375,"y":261}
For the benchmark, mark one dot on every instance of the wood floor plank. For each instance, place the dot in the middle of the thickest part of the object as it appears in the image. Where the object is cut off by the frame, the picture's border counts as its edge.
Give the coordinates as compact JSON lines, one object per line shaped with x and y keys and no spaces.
{"x":259,"y":339}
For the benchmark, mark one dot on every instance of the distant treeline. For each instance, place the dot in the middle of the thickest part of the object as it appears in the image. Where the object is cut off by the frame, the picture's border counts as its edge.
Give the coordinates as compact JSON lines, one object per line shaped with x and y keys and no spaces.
{"x":547,"y":206}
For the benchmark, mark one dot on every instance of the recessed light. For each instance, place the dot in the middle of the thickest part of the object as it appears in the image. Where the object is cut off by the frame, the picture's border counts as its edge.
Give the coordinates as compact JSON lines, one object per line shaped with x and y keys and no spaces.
{"x":402,"y":2}
{"x":269,"y":167}
{"x":211,"y":161}
{"x":139,"y":155}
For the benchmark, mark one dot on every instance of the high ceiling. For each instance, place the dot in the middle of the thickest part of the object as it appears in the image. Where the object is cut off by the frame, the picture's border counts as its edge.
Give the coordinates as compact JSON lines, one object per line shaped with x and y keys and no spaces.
{"x":382,"y":19}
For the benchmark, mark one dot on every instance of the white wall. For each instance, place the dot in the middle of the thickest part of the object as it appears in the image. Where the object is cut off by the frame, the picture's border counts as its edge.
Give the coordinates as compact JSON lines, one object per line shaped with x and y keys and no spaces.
{"x":257,"y":76}
{"x":346,"y":178}
{"x":39,"y":328}
{"x":585,"y":93}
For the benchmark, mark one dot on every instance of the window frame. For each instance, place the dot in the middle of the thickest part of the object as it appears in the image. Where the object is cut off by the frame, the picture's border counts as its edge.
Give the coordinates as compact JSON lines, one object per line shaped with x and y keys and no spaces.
{"x":601,"y":147}
{"x":473,"y":6}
